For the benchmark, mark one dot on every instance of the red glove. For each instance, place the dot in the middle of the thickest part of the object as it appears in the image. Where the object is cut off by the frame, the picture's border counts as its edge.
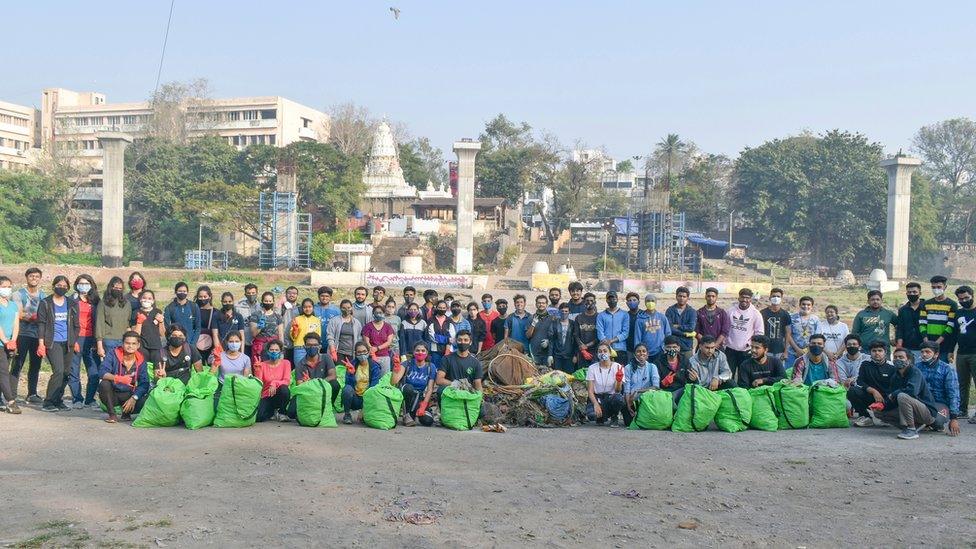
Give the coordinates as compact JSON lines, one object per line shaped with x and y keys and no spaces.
{"x":295,"y":330}
{"x":124,"y":380}
{"x":77,"y":347}
{"x":620,"y":375}
{"x":372,"y":355}
{"x":215,"y":359}
{"x":396,"y":362}
{"x":586,"y":354}
{"x":668,"y":380}
{"x":422,"y":409}
{"x":141,"y":318}
{"x":334,"y":354}
{"x":397,"y":367}
{"x":349,"y":367}
{"x":42,"y":351}
{"x":876,"y":406}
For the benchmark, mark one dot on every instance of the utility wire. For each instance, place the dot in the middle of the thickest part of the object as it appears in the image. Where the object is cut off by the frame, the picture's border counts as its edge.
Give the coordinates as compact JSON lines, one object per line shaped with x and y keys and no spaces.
{"x":162,"y":55}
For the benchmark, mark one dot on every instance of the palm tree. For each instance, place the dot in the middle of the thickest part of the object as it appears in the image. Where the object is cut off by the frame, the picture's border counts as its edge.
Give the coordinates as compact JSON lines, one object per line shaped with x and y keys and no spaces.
{"x":669,"y":147}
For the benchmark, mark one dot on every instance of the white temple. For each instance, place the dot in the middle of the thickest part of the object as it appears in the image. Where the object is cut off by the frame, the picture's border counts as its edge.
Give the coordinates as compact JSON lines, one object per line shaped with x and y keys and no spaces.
{"x":383,"y":176}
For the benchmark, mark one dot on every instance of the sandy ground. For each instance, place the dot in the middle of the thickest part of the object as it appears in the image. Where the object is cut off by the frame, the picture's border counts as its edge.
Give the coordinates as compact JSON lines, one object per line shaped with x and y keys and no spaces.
{"x":69,"y":478}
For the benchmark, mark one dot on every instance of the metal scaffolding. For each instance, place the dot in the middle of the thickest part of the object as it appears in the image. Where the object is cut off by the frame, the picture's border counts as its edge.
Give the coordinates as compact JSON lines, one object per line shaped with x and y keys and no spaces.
{"x":661,"y":240}
{"x":286,"y":234}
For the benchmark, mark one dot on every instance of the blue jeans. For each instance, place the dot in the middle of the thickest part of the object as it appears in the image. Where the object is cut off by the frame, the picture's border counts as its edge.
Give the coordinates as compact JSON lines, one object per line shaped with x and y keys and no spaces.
{"x":88,"y":353}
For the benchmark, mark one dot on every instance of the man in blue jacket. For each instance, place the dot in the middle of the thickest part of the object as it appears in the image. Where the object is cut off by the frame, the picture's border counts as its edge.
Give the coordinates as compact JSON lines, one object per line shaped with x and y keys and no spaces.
{"x":612,"y":326}
{"x":943,"y":382}
{"x":184,"y":312}
{"x":124,"y":378}
{"x":683,"y":319}
{"x":652,"y":328}
{"x":910,"y":402}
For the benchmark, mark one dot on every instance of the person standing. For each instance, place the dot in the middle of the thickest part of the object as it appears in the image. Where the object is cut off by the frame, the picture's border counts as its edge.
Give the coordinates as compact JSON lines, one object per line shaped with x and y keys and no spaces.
{"x":777,"y":324}
{"x":497,"y":326}
{"x":325,"y":311}
{"x":937,"y":321}
{"x":441,"y":334}
{"x":966,"y":340}
{"x":409,"y":295}
{"x":633,"y":311}
{"x":344,"y":332}
{"x":86,"y":297}
{"x":576,"y":304}
{"x":563,"y":341}
{"x":458,"y":316}
{"x":683,"y":321}
{"x":413,"y":329}
{"x":487,"y":316}
{"x":360,"y":309}
{"x":379,"y":336}
{"x":247,"y":307}
{"x":29,"y":299}
{"x":803,"y":324}
{"x":834,"y":331}
{"x":908,"y":333}
{"x":9,"y":328}
{"x":873,"y":323}
{"x":288,"y":310}
{"x":538,"y":331}
{"x":136,"y":283}
{"x":712,"y":320}
{"x":183,"y":312}
{"x":587,"y":330}
{"x":149,"y":328}
{"x":745,"y":323}
{"x":517,"y":323}
{"x":112,"y":318}
{"x":612,"y":327}
{"x":298,"y":329}
{"x":229,"y":320}
{"x":653,"y":327}
{"x":57,"y":330}
{"x":395,"y":321}
{"x":266,"y":326}
{"x":479,"y":330}
{"x":208,"y":323}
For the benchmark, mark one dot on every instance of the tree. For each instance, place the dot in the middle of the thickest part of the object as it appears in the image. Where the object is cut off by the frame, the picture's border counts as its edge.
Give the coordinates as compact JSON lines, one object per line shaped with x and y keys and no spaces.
{"x":422,"y":162}
{"x":948,"y":151}
{"x":512,"y":162}
{"x":28,"y":216}
{"x":668,"y":149}
{"x":625,"y":166}
{"x":819,"y":197}
{"x":704,"y":191}
{"x":923,"y":252}
{"x":329,"y":181}
{"x":351,"y":129}
{"x":179,"y":108}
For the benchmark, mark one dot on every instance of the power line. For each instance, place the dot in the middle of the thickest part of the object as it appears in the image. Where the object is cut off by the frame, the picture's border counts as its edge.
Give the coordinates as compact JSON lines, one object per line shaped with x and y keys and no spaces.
{"x":162,"y":55}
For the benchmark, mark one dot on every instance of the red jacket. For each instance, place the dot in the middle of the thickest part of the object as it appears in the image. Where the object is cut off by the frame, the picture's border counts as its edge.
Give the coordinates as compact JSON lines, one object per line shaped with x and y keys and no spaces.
{"x":272,"y":376}
{"x":488,"y":317}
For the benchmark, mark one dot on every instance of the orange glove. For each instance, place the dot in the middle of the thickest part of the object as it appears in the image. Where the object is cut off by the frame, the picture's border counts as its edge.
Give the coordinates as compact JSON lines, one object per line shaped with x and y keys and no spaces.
{"x":141,"y":318}
{"x":77,"y":347}
{"x":620,"y":375}
{"x":372,"y":355}
{"x":11,"y":345}
{"x":396,"y":367}
{"x":124,"y":380}
{"x":396,"y":362}
{"x":422,"y":409}
{"x":42,"y":351}
{"x":218,"y":349}
{"x":295,"y":329}
{"x":447,"y":352}
{"x":586,"y":354}
{"x":668,"y":380}
{"x":349,"y":367}
{"x":334,"y":354}
{"x":215,"y":358}
{"x":877,"y":406}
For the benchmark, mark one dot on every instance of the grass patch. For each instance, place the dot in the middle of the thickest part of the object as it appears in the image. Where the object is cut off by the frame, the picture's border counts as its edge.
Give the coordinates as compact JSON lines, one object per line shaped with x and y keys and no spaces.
{"x":51,"y":531}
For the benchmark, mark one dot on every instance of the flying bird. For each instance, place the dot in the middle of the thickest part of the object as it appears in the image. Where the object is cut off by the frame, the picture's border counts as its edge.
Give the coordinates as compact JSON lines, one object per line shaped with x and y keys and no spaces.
{"x":396,"y":12}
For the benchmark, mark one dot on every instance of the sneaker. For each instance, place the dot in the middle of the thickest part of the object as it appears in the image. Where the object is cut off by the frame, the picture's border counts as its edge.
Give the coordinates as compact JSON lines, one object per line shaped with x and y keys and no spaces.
{"x":283,"y":418}
{"x":408,"y":421}
{"x":63,"y":407}
{"x":34,"y":399}
{"x":864,"y":421}
{"x":973,"y":419}
{"x":12,"y":408}
{"x":908,"y":433}
{"x":77,"y":405}
{"x":50,"y":408}
{"x":94,"y":406}
{"x":613,"y":423}
{"x":347,"y":418}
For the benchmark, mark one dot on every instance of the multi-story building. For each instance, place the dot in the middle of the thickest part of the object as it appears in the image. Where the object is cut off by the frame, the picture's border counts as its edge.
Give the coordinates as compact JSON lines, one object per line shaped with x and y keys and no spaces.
{"x":71,"y":121}
{"x":18,"y":136}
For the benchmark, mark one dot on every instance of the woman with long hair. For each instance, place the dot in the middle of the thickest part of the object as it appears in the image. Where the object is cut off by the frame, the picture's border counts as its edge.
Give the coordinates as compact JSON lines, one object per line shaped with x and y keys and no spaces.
{"x":86,"y":298}
{"x":112,"y":317}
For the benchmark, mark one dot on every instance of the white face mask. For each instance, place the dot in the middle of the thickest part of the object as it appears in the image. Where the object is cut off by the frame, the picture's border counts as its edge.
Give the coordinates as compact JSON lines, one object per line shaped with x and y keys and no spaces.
{"x":146,"y":304}
{"x":6,"y":292}
{"x":938,"y":291}
{"x":776,"y":300}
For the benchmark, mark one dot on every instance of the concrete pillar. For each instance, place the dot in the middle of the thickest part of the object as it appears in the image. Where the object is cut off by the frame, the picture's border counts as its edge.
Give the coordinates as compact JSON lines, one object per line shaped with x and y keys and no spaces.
{"x":113,"y":189}
{"x":466,"y":151}
{"x":900,"y":170}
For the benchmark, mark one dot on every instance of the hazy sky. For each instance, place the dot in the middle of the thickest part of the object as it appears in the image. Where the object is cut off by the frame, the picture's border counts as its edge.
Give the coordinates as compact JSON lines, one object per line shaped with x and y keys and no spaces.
{"x":726,"y":75}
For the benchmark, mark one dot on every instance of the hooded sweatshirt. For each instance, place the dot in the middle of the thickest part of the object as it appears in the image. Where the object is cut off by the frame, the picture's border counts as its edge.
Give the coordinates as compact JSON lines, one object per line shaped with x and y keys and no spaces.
{"x":744,"y":325}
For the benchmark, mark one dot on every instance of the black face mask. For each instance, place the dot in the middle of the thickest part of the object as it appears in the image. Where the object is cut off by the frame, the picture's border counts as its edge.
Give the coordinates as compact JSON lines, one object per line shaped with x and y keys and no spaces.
{"x":117,"y":294}
{"x":439,"y":312}
{"x":175,"y":341}
{"x":228,"y":307}
{"x":671,"y":352}
{"x":912,"y":298}
{"x":312,"y":350}
{"x":590,"y":306}
{"x":455,"y":312}
{"x":502,"y":310}
{"x":202,"y":302}
{"x":852,"y":350}
{"x":965,"y":303}
{"x":463,"y":347}
{"x":59,"y":291}
{"x":267,"y":306}
{"x":612,"y":303}
{"x":181,"y":295}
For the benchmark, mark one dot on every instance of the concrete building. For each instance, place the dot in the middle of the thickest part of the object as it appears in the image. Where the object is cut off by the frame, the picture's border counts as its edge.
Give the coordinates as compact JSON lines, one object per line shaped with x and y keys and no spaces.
{"x":18,"y":136}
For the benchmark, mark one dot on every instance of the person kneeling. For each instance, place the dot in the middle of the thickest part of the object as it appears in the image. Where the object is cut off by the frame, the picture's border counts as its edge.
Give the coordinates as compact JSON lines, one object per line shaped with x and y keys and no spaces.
{"x":360,"y":376}
{"x":640,"y":376}
{"x":416,"y":381}
{"x":275,"y":373}
{"x":313,"y":365}
{"x":604,"y":382}
{"x":911,"y":402}
{"x":124,"y":378}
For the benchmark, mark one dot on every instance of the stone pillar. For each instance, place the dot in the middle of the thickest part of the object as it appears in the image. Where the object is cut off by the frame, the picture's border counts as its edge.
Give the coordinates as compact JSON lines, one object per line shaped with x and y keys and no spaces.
{"x":466,"y":151}
{"x":113,"y":189}
{"x":900,"y":170}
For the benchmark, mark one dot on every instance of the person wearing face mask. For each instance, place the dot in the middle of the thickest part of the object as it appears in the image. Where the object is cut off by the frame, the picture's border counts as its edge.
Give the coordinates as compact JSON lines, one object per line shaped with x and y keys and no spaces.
{"x":325,"y":310}
{"x":517,"y":323}
{"x":479,"y":330}
{"x":302,"y":324}
{"x":873,"y":323}
{"x":416,"y":381}
{"x":487,"y":316}
{"x":684,"y":320}
{"x":427,"y":309}
{"x":497,"y":326}
{"x":361,"y":374}
{"x":151,"y":331}
{"x":394,"y":321}
{"x":612,"y":327}
{"x":761,"y":368}
{"x":86,"y":297}
{"x":908,"y":334}
{"x":343,"y":333}
{"x":247,"y":307}
{"x":563,"y":341}
{"x":640,"y":376}
{"x":652,"y":328}
{"x":869,"y":391}
{"x":29,"y":299}
{"x":113,"y":315}
{"x":815,"y":365}
{"x":460,"y":365}
{"x":835,"y":331}
{"x":409,"y":297}
{"x":458,"y":316}
{"x":966,"y":340}
{"x":776,"y":322}
{"x":9,"y":326}
{"x":178,"y":358}
{"x":184,"y":312}
{"x":587,"y":330}
{"x":604,"y":386}
{"x":937,"y":320}
{"x":57,"y":330}
{"x":746,"y":322}
{"x":229,"y":320}
{"x":379,"y":336}
{"x":232,"y":359}
{"x":441,"y":334}
{"x":712,"y":320}
{"x":136,"y":284}
{"x":266,"y":326}
{"x":912,"y":402}
{"x":289,"y":308}
{"x":849,"y":362}
{"x":361,"y":310}
{"x":413,"y":329}
{"x":633,"y":311}
{"x":274,"y":371}
{"x":943,"y":382}
{"x":672,"y":365}
{"x":208,"y":322}
{"x":314,"y":365}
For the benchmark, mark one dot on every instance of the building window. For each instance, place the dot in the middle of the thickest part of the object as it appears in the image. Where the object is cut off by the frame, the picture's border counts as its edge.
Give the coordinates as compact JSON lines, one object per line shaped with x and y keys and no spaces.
{"x":130,"y":119}
{"x":250,"y":115}
{"x":234,"y":115}
{"x":269,"y":114}
{"x":306,"y":123}
{"x":271,"y":139}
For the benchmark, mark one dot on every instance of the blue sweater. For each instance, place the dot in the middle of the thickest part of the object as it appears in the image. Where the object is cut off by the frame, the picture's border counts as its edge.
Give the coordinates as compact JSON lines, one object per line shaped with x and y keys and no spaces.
{"x":651,"y":331}
{"x":613,"y":325}
{"x":187,"y":316}
{"x":685,"y":322}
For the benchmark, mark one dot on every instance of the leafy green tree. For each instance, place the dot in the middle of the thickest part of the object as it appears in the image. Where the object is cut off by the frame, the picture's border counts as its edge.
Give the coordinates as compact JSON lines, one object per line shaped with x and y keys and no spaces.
{"x":329,"y":182}
{"x":948,"y":151}
{"x":703,"y":192}
{"x":28,"y":216}
{"x":923,"y":251}
{"x":668,"y":149}
{"x":509,"y":163}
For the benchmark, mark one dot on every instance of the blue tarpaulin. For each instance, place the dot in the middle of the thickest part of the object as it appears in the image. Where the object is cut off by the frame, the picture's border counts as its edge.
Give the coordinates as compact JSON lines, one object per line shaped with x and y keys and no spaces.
{"x":620,"y":223}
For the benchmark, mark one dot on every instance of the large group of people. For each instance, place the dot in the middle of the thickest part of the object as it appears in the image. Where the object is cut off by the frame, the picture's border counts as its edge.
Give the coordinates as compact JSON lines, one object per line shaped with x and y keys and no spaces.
{"x":897,"y":366}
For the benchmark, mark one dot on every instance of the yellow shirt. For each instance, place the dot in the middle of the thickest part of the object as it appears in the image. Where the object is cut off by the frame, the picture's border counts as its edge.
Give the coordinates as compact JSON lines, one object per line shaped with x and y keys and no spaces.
{"x":304,"y":325}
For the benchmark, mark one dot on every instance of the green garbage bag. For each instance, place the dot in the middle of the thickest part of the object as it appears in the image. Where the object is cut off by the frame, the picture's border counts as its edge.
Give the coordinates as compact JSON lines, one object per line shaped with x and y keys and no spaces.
{"x":696,"y":409}
{"x":197,"y":409}
{"x":341,"y":378}
{"x":734,"y":413}
{"x":828,"y":407}
{"x":162,"y":407}
{"x":239,"y":399}
{"x":654,"y":410}
{"x":460,"y":409}
{"x":765,"y":413}
{"x":793,"y":402}
{"x":382,"y":404}
{"x":580,"y":374}
{"x":313,"y":404}
{"x":788,"y":374}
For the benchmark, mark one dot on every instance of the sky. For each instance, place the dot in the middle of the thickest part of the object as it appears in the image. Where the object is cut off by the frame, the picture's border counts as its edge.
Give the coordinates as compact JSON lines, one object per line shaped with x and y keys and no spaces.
{"x":612,"y":74}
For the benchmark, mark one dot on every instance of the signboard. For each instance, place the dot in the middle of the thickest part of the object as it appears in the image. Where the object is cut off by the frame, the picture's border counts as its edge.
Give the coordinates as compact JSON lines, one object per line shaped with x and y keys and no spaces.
{"x":353,"y":248}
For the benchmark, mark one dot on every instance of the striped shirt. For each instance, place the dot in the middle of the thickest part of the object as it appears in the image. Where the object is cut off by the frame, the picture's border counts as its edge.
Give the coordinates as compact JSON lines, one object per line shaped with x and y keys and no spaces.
{"x":937,"y":318}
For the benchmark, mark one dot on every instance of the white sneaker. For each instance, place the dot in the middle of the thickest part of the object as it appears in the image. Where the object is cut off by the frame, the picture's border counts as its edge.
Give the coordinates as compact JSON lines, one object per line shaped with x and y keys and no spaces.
{"x":864,"y":421}
{"x":77,"y":405}
{"x":95,"y":406}
{"x":283,"y":418}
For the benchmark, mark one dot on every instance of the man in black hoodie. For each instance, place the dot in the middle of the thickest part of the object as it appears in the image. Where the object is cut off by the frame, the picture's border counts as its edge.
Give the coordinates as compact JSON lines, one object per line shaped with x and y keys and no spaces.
{"x":873,"y":383}
{"x":910,"y":401}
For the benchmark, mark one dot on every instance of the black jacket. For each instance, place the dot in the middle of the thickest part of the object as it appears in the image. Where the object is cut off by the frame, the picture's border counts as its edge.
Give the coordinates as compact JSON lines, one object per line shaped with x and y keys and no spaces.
{"x":912,"y":383}
{"x":45,"y":320}
{"x":560,"y":349}
{"x":906,"y":326}
{"x":750,"y":370}
{"x":877,"y":376}
{"x":680,"y":377}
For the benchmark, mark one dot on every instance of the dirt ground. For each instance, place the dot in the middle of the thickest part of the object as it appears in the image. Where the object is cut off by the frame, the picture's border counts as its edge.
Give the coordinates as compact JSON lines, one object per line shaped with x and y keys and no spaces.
{"x":70,"y":479}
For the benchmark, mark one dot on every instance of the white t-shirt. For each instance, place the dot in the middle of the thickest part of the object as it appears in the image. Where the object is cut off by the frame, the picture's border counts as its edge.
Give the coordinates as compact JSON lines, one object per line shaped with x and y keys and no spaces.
{"x":603,"y":379}
{"x":835,"y":334}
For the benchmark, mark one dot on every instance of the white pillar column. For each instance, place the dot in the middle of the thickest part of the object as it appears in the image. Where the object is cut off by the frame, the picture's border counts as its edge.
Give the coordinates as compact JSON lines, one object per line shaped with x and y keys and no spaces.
{"x":900,"y":169}
{"x":466,"y":151}
{"x":113,"y":190}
